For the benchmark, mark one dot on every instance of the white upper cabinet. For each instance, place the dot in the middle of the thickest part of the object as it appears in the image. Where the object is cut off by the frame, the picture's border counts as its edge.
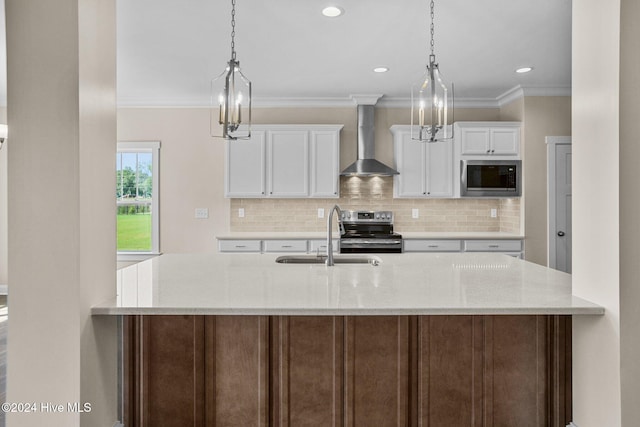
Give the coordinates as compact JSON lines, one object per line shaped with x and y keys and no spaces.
{"x":325,"y":163}
{"x":245,"y":166}
{"x":288,"y":163}
{"x":285,"y":161}
{"x":481,"y":140}
{"x":426,"y":169}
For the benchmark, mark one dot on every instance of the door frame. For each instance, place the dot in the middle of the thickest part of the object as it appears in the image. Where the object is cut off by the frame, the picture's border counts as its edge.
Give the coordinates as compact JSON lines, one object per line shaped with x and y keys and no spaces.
{"x":552,"y":142}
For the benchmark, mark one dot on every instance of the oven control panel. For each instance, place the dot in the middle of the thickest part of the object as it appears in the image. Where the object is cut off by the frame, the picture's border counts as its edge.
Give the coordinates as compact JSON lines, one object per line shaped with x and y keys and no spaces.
{"x":367,"y":216}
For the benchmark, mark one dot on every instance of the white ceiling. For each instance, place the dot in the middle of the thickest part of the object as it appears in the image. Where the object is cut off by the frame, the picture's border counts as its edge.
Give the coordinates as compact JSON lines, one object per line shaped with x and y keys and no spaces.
{"x":168,"y":50}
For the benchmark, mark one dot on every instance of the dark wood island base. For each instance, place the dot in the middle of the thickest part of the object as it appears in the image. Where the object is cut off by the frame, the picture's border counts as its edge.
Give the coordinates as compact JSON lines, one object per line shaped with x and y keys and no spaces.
{"x":347,"y":371}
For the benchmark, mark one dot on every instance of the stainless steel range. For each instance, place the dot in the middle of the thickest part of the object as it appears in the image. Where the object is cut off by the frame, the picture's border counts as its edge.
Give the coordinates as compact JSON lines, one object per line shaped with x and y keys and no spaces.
{"x":369,"y":232}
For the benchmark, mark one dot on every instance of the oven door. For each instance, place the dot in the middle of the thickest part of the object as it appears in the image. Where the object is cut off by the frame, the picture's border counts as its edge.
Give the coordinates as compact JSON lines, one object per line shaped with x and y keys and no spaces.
{"x":370,"y":246}
{"x":490,"y":178}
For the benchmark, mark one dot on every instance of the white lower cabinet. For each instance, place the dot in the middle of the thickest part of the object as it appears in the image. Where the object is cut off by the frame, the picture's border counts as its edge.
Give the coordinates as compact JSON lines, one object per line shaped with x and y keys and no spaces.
{"x":320,"y":245}
{"x":493,"y":245}
{"x":285,"y":245}
{"x":240,"y":245}
{"x":428,"y":245}
{"x":512,"y":247}
{"x":312,"y":246}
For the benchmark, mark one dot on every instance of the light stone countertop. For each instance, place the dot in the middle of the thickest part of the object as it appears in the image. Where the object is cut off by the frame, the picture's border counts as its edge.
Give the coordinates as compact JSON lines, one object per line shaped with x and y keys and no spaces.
{"x":402,"y":284}
{"x":293,"y":235}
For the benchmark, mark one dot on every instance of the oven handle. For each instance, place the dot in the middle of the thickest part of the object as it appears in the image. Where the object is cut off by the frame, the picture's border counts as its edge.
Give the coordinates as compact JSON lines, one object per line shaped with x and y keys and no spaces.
{"x":366,"y":242}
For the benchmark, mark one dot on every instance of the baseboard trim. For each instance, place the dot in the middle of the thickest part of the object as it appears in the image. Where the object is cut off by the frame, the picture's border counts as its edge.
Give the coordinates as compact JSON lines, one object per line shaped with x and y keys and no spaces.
{"x":572,"y":424}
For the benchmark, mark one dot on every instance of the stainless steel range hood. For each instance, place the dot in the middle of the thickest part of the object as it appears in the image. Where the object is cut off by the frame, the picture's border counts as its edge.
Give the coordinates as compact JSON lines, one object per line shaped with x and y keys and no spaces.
{"x":366,"y":164}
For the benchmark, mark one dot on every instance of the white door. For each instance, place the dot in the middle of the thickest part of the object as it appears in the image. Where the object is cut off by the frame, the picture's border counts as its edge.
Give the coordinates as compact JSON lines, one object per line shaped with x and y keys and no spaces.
{"x":439,"y":169}
{"x":410,"y":157}
{"x":559,"y":152}
{"x":288,"y":156}
{"x":325,"y":164}
{"x":245,"y":174}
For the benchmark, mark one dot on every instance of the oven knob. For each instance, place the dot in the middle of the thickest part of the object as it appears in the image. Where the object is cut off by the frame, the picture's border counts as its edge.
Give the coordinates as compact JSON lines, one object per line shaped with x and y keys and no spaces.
{"x":377,"y":216}
{"x":388,"y":216}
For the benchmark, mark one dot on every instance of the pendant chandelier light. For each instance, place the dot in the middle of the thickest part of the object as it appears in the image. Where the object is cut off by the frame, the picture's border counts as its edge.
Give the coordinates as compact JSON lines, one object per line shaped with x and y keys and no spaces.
{"x":432,"y":103}
{"x":230,"y":116}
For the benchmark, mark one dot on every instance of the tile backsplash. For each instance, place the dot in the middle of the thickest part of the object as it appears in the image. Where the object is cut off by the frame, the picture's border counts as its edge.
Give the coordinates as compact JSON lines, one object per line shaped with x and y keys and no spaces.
{"x":376,"y":193}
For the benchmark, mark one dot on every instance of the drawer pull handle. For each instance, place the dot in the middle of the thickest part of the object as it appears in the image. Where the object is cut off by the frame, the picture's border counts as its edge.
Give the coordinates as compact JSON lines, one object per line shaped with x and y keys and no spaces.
{"x":433,"y":246}
{"x":494,"y":246}
{"x":241,"y":246}
{"x":287,"y":246}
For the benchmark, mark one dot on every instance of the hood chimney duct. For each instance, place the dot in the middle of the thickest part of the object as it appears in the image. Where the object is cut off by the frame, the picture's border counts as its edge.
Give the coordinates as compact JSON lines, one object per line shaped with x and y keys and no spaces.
{"x":366,"y":164}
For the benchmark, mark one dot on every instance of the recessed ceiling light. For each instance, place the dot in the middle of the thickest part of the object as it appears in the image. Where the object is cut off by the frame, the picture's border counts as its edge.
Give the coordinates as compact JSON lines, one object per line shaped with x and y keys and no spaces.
{"x":332,"y":11}
{"x":524,"y":70}
{"x":380,"y":69}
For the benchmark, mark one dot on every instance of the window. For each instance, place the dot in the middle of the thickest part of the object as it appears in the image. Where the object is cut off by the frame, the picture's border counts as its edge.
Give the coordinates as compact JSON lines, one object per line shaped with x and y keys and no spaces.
{"x":137,"y":198}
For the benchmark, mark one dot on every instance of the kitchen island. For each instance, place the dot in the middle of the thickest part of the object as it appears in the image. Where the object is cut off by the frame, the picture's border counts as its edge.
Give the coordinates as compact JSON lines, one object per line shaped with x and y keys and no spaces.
{"x":463,"y":339}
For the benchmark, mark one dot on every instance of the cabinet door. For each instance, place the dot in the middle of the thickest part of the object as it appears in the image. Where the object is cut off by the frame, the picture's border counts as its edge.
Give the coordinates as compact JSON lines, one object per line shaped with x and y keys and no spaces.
{"x":450,"y":371}
{"x":325,"y":164}
{"x":308,"y":365}
{"x":245,"y":174}
{"x":237,"y":371}
{"x":288,"y":158}
{"x":475,"y":141}
{"x":439,"y":169}
{"x":377,"y":371}
{"x":164,"y":377}
{"x":505,"y":141}
{"x":410,"y":161}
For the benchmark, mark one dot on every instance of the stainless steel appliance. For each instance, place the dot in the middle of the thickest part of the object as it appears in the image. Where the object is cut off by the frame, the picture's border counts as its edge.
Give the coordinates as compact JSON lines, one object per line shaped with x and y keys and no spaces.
{"x":366,"y":164}
{"x":490,"y":178}
{"x":369,"y":232}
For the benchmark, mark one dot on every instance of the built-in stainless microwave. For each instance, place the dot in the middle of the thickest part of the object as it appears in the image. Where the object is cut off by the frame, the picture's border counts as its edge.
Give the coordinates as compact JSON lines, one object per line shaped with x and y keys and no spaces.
{"x":490,"y":178}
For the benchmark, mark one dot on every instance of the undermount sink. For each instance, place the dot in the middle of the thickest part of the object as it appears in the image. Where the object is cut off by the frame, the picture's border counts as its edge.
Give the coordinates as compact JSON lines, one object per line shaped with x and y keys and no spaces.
{"x":321,"y":259}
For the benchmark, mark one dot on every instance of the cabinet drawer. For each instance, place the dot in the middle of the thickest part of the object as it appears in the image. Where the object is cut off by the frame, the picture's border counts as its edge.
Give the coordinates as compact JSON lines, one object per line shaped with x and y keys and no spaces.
{"x":285,"y":246}
{"x":316,"y":245}
{"x":493,"y":245}
{"x":239,"y":245}
{"x":419,"y":245}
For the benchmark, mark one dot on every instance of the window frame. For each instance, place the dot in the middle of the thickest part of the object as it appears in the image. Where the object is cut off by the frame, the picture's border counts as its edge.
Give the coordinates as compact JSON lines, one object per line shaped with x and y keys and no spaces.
{"x":152,"y":147}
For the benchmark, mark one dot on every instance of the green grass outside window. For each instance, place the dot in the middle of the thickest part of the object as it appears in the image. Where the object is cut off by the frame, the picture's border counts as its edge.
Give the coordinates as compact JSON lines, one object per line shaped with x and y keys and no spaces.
{"x":134,"y":232}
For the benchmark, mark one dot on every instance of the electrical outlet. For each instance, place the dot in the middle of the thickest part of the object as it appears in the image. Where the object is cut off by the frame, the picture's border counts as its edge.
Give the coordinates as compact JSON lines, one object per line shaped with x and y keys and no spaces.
{"x":415,"y":213}
{"x":320,"y":212}
{"x":202,"y":213}
{"x":494,"y":213}
{"x":241,"y":213}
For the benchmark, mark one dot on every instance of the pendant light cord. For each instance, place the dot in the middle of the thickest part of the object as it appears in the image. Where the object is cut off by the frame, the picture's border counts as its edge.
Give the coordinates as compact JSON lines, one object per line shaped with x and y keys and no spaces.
{"x":433,"y":55}
{"x":233,"y":30}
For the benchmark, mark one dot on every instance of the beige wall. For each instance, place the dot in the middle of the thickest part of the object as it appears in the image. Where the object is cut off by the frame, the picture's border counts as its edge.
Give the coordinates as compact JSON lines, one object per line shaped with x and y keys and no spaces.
{"x":61,"y":229}
{"x":629,"y":208}
{"x":596,"y":213}
{"x":191,"y":174}
{"x":543,"y":116}
{"x":513,"y":111}
{"x":3,"y":204}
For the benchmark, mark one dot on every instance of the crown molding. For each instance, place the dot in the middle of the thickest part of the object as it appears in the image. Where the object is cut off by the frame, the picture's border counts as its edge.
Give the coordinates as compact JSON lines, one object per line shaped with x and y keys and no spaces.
{"x":361,"y":99}
{"x":518,"y":92}
{"x":513,"y":94}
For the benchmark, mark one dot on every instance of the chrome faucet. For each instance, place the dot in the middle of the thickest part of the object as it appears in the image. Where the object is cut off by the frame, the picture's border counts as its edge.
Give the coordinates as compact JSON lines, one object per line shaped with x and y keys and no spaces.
{"x":337,"y":209}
